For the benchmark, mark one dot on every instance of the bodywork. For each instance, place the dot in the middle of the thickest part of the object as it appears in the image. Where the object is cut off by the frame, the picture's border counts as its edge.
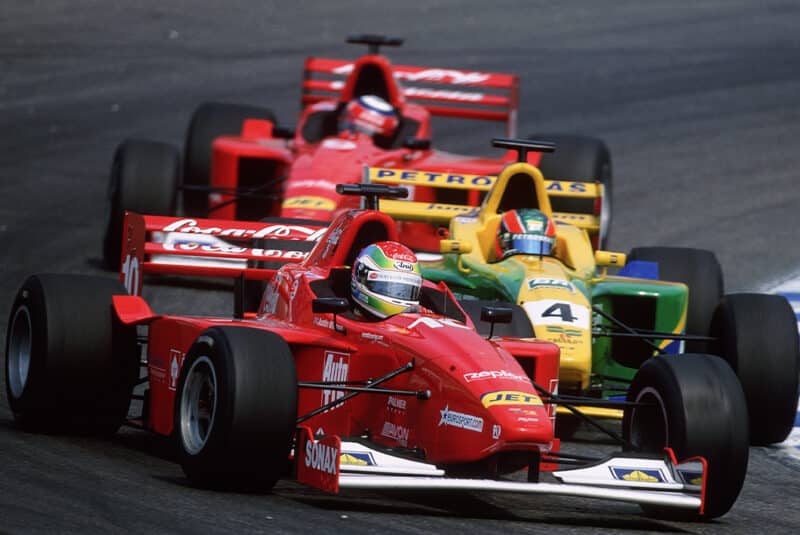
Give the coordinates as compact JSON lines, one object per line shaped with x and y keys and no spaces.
{"x":569,"y":297}
{"x":419,"y":400}
{"x":299,"y":172}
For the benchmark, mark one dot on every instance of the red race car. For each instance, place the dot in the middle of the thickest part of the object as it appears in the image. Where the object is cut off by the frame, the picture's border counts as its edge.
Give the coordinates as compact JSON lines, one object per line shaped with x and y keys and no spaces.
{"x":362,"y":377}
{"x":239,"y":164}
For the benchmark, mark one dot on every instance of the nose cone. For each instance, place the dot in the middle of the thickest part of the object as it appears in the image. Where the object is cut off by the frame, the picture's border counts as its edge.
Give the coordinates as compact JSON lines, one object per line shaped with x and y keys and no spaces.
{"x":521,"y":416}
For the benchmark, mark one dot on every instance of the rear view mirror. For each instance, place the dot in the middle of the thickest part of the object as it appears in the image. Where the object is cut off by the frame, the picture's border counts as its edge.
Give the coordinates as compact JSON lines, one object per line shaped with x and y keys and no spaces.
{"x":337,"y":305}
{"x":496,"y":314}
{"x":609,"y":258}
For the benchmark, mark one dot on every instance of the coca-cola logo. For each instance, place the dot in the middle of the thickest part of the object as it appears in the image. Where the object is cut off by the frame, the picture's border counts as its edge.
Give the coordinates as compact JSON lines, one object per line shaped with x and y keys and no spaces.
{"x":190,"y":226}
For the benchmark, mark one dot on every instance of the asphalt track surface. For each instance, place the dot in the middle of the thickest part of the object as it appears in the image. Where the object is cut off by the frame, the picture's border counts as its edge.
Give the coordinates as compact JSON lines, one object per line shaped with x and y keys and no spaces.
{"x":698,"y":100}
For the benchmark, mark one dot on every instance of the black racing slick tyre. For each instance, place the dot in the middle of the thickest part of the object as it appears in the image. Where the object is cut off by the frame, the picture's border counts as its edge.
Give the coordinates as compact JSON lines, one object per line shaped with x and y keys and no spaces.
{"x":757,"y":335}
{"x":144,"y":179}
{"x":209,"y":121}
{"x":694,"y":405}
{"x":520,"y":326}
{"x":701,"y":272}
{"x":236,"y":408}
{"x":70,"y":364}
{"x":580,"y":159}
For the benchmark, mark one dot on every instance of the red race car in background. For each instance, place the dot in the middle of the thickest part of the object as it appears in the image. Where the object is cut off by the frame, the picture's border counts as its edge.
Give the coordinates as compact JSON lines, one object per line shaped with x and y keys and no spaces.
{"x":416,"y":400}
{"x":238,"y":163}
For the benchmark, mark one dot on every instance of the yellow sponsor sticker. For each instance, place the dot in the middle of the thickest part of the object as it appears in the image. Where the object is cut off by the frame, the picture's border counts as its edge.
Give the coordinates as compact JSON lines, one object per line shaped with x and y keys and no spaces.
{"x":510,"y":397}
{"x":310,"y":202}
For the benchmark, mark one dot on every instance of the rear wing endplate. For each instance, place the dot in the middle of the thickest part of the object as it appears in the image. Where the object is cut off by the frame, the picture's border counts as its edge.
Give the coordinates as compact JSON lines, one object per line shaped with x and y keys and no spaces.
{"x":443,"y":92}
{"x":210,"y":247}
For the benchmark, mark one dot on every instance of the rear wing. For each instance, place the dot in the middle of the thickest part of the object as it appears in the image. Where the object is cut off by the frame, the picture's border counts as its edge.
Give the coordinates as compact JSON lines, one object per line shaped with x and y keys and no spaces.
{"x":442,"y":213}
{"x":210,"y":247}
{"x":443,"y":92}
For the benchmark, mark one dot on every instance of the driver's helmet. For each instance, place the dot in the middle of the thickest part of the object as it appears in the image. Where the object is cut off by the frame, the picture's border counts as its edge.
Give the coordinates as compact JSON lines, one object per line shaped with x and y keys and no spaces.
{"x":386,"y":279}
{"x":525,"y":231}
{"x":371,"y":115}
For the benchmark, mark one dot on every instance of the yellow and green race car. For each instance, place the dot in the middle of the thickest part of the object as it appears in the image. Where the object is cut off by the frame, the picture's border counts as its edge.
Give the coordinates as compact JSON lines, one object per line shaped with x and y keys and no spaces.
{"x":513,"y":248}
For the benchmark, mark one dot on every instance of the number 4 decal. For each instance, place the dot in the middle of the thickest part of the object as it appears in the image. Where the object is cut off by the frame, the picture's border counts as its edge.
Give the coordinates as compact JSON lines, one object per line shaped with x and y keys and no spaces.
{"x":560,"y":310}
{"x":552,"y":312}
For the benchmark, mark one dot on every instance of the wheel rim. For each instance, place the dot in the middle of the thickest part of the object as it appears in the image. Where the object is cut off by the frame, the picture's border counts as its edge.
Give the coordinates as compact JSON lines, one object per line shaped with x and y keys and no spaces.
{"x":19,"y":351}
{"x":649,"y":427}
{"x":198,"y":405}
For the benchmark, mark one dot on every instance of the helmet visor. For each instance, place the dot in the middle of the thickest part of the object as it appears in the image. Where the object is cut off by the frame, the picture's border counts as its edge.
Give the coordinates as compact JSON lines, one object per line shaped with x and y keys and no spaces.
{"x":404,"y":291}
{"x":529,"y":244}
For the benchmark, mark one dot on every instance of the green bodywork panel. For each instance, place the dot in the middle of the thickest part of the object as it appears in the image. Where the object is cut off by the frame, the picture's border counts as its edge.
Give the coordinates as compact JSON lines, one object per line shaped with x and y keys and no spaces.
{"x":639,"y":303}
{"x":642,"y":304}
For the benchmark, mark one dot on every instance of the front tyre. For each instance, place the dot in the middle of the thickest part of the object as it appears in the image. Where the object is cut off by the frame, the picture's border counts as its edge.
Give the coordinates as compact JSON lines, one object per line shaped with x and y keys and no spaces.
{"x":757,"y":335}
{"x":236,"y":408}
{"x":693,"y":404}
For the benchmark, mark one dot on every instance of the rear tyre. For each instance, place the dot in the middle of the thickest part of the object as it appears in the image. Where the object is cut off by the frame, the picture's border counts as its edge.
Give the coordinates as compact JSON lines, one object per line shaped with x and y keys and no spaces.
{"x":209,"y":121}
{"x":700,"y":271}
{"x":697,"y":409}
{"x":757,"y":335}
{"x":580,"y":159}
{"x":520,"y":326}
{"x":70,"y":364}
{"x":235,"y":409}
{"x":144,"y":179}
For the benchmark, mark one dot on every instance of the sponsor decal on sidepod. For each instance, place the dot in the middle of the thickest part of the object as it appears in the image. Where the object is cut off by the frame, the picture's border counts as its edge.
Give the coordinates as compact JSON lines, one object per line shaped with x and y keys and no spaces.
{"x":461,"y":420}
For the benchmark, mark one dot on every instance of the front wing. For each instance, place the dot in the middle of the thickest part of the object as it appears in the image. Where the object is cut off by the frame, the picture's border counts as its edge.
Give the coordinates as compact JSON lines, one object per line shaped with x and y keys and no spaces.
{"x":331,"y":465}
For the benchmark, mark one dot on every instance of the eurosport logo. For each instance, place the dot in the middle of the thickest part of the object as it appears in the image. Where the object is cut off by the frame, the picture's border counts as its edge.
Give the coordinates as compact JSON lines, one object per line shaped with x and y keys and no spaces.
{"x":460,"y":420}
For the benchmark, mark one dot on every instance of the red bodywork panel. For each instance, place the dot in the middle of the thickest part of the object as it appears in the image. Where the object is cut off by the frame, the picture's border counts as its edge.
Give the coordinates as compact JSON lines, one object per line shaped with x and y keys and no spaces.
{"x":481,"y":400}
{"x":318,"y":157}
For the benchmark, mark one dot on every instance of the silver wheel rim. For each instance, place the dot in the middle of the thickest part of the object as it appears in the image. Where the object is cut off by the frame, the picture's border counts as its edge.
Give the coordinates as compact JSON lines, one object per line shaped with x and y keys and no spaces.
{"x":198,"y":405}
{"x":19,"y":351}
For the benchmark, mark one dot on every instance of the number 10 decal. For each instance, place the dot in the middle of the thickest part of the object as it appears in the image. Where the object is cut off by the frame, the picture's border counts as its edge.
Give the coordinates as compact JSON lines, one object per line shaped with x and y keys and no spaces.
{"x":130,"y":272}
{"x":552,"y":312}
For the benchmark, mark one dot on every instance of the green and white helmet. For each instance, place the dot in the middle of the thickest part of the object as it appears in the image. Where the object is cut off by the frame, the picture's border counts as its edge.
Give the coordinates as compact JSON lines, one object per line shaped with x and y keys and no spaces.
{"x":386,"y":279}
